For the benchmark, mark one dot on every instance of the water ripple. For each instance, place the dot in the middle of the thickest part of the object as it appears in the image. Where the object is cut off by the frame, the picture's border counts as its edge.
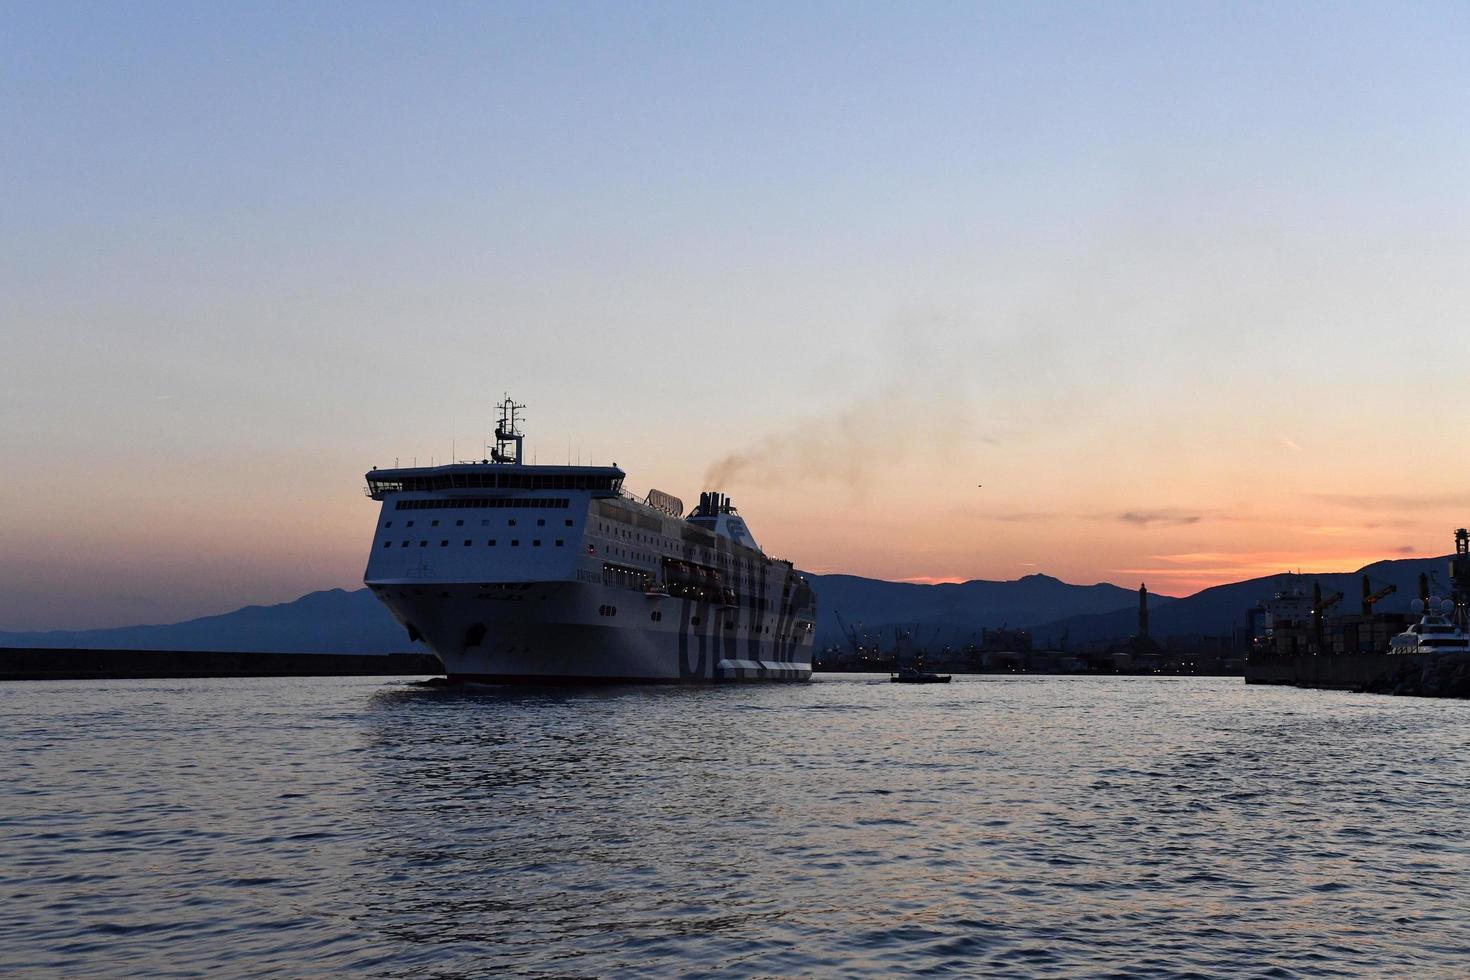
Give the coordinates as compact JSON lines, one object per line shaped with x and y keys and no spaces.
{"x":1015,"y":826}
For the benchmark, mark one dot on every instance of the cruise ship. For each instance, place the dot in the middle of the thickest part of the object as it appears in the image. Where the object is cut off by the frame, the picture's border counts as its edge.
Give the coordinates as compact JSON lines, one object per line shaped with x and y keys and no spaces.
{"x":519,"y":573}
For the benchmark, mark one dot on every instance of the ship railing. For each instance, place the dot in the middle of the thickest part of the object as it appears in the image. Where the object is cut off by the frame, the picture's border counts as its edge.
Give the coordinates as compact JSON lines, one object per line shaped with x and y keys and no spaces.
{"x":376,"y":491}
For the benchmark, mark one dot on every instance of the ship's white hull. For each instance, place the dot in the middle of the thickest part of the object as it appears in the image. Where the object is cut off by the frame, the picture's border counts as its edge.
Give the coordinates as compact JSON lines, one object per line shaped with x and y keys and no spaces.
{"x":552,"y":574}
{"x":573,"y":632}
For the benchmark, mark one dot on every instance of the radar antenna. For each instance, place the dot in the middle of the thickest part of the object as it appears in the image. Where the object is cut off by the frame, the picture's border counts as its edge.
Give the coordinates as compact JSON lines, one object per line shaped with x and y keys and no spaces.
{"x":508,"y":435}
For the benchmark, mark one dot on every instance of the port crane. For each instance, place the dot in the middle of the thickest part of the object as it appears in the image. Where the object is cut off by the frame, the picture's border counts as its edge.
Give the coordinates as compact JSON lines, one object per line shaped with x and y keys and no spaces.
{"x":1370,"y":597}
{"x":847,"y":634}
{"x":851,"y":634}
{"x":1460,"y":577}
{"x":1320,"y":605}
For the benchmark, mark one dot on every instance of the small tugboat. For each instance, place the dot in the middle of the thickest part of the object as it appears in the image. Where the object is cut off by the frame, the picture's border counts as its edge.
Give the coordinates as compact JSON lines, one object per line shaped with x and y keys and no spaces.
{"x":916,"y":674}
{"x":913,"y":675}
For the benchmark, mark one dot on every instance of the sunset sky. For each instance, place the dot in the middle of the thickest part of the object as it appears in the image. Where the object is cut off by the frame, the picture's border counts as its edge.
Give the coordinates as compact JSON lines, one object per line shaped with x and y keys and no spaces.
{"x":1185,"y":286}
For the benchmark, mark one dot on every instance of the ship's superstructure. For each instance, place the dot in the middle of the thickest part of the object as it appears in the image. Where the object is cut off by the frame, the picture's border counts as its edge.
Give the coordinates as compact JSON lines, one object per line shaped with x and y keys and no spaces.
{"x":523,"y":573}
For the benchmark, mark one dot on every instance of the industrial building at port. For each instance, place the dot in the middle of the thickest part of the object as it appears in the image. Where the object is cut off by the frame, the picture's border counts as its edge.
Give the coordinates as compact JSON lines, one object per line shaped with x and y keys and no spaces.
{"x":1300,"y":634}
{"x":1294,"y":623}
{"x":1013,"y":651}
{"x":1301,"y":642}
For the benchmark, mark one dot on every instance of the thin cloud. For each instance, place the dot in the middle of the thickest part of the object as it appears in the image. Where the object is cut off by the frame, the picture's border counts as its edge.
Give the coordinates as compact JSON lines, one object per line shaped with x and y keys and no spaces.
{"x":1288,"y":443}
{"x":1390,"y":501}
{"x":1339,"y":530}
{"x":1024,"y":517}
{"x":1167,"y":517}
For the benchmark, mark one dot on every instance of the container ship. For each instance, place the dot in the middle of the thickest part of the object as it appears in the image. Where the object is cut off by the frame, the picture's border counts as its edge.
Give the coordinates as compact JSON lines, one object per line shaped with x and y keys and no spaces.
{"x":520,"y":573}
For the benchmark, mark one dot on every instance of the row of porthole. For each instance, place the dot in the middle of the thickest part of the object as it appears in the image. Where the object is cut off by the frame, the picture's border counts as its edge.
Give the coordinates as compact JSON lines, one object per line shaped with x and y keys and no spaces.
{"x":607,"y":610}
{"x":635,"y":536}
{"x":745,"y":569}
{"x":689,"y":552}
{"x":512,"y":523}
{"x":515,"y":543}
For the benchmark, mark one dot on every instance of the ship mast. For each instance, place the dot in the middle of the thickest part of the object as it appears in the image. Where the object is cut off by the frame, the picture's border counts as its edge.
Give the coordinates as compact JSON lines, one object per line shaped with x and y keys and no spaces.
{"x":508,"y":436}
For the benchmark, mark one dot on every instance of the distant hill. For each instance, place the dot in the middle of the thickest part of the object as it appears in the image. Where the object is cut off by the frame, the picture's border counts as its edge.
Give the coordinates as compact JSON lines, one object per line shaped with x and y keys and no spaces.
{"x":954,"y":613}
{"x":1217,"y":611}
{"x":338,"y":621}
{"x":335,"y":621}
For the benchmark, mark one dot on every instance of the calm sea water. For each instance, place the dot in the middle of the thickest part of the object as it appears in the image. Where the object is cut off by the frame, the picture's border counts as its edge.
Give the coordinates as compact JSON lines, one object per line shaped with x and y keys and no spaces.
{"x":1017,"y":826}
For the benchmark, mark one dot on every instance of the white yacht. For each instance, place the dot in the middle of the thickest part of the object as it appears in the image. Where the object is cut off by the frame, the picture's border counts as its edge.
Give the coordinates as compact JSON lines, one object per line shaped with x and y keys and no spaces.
{"x":1435,"y":632}
{"x":512,"y":572}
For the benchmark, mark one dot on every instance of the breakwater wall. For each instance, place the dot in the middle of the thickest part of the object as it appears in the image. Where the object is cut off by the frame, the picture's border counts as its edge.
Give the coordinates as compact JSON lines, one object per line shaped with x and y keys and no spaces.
{"x":28,"y":664}
{"x":1441,"y":675}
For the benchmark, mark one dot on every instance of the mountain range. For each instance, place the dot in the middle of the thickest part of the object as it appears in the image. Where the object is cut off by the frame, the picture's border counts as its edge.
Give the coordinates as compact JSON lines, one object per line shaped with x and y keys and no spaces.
{"x":341,"y":621}
{"x":955,"y":613}
{"x":1218,"y":610}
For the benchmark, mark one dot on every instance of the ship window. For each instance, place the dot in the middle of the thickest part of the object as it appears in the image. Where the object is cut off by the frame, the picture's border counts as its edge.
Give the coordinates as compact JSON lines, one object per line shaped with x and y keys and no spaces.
{"x":387,"y":544}
{"x":409,"y":524}
{"x":535,"y":542}
{"x":423,"y":544}
{"x":490,"y":543}
{"x":404,"y":545}
{"x":512,"y":522}
{"x":558,"y":542}
{"x":466,"y":542}
{"x":485,"y":523}
{"x":693,"y":620}
{"x":569,"y":522}
{"x":444,"y":543}
{"x":460,"y":503}
{"x":459,"y":523}
{"x":515,"y":542}
{"x":387,"y":523}
{"x":540,"y":522}
{"x":433,"y":524}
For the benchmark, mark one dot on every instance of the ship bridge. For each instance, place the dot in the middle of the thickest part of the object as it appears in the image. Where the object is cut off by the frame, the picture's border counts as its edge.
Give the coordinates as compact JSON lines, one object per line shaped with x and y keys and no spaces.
{"x":504,"y":470}
{"x":599,"y":481}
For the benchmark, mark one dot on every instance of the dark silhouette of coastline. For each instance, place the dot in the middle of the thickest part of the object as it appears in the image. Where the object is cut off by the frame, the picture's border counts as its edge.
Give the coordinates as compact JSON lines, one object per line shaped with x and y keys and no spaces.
{"x":31,"y":664}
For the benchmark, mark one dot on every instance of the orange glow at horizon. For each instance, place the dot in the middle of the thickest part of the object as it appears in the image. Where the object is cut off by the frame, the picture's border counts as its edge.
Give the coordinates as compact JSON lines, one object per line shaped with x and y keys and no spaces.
{"x":209,"y":533}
